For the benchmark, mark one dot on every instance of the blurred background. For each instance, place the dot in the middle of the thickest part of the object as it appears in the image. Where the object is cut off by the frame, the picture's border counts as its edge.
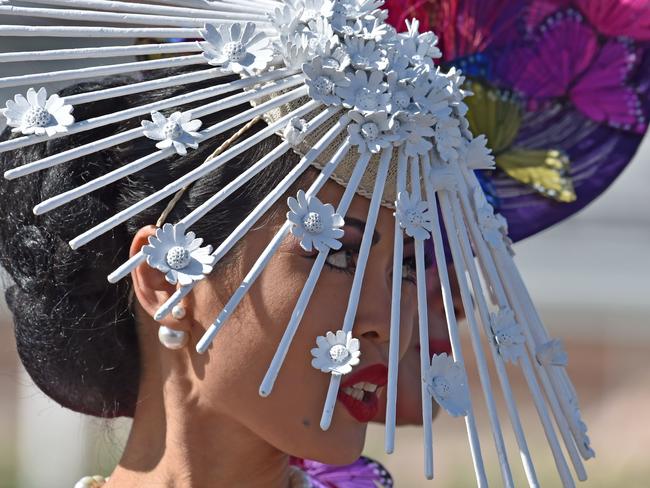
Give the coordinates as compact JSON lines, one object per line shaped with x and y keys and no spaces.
{"x":590,"y":279}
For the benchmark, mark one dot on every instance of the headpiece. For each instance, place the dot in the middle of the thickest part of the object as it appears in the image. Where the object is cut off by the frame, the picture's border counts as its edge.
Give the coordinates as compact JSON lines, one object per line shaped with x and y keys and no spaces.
{"x":369,"y":107}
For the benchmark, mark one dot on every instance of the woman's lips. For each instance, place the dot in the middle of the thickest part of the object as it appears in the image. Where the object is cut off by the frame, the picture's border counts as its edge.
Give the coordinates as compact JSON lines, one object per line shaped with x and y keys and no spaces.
{"x":359,"y":392}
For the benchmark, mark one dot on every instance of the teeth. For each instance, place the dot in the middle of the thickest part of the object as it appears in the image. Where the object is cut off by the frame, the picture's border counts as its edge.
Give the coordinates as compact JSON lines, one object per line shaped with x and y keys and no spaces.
{"x":358,"y":394}
{"x":347,"y":390}
{"x":371,"y":387}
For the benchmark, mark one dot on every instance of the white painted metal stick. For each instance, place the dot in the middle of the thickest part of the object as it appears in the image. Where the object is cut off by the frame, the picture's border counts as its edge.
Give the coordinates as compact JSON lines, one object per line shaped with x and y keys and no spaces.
{"x":236,"y":12}
{"x":362,"y":261}
{"x":452,"y":327}
{"x":243,"y":289}
{"x":305,"y":295}
{"x":260,"y":264}
{"x":96,"y":32}
{"x":149,"y":85}
{"x":423,"y":328}
{"x":105,"y":70}
{"x":191,"y":176}
{"x":119,"y":18}
{"x":468,"y":305}
{"x":524,"y":361}
{"x":100,"y":52}
{"x":122,"y":115}
{"x":74,"y":153}
{"x":395,"y":322}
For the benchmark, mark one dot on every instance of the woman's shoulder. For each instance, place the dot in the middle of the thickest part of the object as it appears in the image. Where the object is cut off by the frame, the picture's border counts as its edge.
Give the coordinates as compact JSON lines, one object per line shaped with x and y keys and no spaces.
{"x":363,"y":473}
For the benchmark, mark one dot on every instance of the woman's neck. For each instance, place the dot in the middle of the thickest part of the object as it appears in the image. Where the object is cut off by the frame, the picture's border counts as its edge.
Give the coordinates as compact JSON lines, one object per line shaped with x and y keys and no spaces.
{"x":175,"y":444}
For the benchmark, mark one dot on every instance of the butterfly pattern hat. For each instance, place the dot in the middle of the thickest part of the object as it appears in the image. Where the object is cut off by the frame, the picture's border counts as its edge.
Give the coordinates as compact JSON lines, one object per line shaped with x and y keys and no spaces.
{"x":400,"y":117}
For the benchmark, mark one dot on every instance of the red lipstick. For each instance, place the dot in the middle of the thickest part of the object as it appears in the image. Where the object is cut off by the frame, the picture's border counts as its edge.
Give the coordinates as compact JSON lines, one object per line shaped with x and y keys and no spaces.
{"x":359,"y":392}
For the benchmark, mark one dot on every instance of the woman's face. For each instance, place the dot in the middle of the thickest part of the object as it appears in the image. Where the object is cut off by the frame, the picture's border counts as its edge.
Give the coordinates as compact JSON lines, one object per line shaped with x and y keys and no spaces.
{"x":233,"y":368}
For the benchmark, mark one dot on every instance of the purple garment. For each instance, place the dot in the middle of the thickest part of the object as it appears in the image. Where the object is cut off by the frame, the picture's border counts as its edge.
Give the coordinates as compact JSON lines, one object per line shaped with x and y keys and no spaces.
{"x":364,"y":473}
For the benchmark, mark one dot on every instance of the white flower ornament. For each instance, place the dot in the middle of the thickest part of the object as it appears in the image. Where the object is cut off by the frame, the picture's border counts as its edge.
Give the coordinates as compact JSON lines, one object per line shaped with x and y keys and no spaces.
{"x":324,"y":81}
{"x":413,"y":216}
{"x":38,"y":114}
{"x":366,"y":55}
{"x":372,"y":132}
{"x":366,"y":92}
{"x":179,"y":130}
{"x":507,"y":335}
{"x":447,"y":384}
{"x":336,"y":353}
{"x":317,"y":225}
{"x":179,"y":255}
{"x":236,"y":47}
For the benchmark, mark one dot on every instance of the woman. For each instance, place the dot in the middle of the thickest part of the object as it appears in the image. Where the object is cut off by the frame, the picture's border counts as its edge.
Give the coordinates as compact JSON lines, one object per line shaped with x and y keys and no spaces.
{"x":339,"y":282}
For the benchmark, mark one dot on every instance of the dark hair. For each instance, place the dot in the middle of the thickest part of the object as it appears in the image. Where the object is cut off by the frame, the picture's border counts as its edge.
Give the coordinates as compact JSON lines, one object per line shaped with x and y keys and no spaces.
{"x":75,"y":332}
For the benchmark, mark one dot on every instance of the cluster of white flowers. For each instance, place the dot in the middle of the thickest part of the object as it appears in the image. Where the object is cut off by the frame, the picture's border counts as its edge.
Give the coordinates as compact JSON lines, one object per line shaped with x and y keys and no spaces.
{"x":388,"y":80}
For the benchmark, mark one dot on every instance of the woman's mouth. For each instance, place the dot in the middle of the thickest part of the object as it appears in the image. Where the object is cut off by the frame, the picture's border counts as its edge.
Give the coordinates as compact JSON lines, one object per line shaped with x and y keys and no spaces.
{"x":359,"y":394}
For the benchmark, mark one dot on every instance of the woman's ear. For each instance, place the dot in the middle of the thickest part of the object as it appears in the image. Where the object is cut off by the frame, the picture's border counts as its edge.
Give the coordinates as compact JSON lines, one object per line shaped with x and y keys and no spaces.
{"x":150,"y":286}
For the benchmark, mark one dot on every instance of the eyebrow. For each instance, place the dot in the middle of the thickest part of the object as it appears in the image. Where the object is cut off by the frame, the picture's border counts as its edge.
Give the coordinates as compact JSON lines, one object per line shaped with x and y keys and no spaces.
{"x":361,"y":226}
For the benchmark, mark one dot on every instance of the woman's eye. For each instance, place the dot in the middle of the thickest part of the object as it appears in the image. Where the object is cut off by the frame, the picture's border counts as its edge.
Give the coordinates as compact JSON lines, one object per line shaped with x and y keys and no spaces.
{"x":338,"y":260}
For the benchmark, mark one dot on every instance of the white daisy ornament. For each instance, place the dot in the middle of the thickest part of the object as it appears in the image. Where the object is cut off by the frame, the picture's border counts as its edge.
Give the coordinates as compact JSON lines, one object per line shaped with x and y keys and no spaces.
{"x":507,"y":335}
{"x":317,"y":225}
{"x":179,"y":130}
{"x":372,"y":132}
{"x":237,"y":47}
{"x":447,"y":384}
{"x":324,"y":81}
{"x":179,"y":255}
{"x":366,"y":92}
{"x":366,"y":55}
{"x":38,"y":114}
{"x":336,"y":353}
{"x":413,"y":216}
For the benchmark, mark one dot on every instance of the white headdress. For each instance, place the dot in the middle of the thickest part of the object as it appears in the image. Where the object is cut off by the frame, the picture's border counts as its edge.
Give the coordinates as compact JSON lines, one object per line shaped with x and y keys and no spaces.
{"x":367,"y":106}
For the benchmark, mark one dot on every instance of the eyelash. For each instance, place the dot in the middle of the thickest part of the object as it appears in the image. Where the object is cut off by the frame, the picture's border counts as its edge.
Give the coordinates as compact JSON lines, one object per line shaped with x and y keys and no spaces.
{"x":408,"y":267}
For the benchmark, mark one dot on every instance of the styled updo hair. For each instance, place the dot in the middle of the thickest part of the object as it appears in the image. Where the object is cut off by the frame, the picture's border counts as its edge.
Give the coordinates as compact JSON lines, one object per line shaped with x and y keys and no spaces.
{"x":76,"y":332}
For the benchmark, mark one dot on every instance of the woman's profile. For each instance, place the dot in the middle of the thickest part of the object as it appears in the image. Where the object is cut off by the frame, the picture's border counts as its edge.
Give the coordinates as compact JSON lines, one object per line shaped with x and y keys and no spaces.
{"x":249,"y":240}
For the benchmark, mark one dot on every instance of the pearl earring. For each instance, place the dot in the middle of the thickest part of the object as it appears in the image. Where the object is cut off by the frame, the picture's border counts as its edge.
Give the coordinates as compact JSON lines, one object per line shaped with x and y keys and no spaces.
{"x":171,"y":338}
{"x":178,"y":312}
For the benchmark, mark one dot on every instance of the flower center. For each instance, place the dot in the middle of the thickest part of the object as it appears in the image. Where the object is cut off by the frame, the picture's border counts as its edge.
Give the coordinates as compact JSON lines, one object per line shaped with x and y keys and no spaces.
{"x":339,"y":353}
{"x":172,"y":130}
{"x":178,"y":257}
{"x":235,"y":51}
{"x":313,"y":223}
{"x":370,"y":131}
{"x":37,"y":117}
{"x":324,"y":85}
{"x":402,"y":100}
{"x":414,"y":217}
{"x":441,"y":386}
{"x":366,"y":99}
